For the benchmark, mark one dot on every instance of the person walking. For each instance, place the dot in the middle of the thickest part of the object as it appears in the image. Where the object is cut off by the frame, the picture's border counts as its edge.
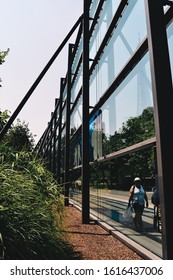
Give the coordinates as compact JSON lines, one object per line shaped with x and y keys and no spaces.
{"x":138,"y":198}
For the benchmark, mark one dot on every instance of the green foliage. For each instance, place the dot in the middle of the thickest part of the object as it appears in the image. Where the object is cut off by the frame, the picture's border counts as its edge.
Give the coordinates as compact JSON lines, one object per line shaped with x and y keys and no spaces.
{"x":29,"y":200}
{"x":3,"y":118}
{"x":135,"y":130}
{"x":139,"y":128}
{"x":3,"y":54}
{"x":19,"y":137}
{"x":31,"y":206}
{"x":141,"y":163}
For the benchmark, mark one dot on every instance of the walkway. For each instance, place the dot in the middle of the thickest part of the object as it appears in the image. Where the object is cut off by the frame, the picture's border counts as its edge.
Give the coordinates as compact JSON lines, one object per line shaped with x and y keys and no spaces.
{"x":148,"y":243}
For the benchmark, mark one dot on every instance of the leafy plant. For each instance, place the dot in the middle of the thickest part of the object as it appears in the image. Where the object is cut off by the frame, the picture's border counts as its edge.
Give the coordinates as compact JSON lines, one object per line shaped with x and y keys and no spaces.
{"x":30,"y":199}
{"x":31,"y":205}
{"x":2,"y":58}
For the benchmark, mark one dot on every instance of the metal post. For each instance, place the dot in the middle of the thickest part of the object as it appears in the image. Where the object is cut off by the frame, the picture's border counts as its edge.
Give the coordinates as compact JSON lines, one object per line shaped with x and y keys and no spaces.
{"x":85,"y":116}
{"x":51,"y":145}
{"x":59,"y":129}
{"x":163,"y":102}
{"x":54,"y":139}
{"x":67,"y":136}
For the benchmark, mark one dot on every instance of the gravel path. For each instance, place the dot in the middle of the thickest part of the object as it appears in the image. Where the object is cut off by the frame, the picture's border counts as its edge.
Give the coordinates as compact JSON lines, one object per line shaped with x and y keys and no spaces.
{"x":92,"y":242}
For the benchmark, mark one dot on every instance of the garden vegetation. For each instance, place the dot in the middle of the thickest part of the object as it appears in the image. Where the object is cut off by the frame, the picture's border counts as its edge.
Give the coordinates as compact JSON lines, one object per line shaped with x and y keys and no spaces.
{"x":31,"y":205}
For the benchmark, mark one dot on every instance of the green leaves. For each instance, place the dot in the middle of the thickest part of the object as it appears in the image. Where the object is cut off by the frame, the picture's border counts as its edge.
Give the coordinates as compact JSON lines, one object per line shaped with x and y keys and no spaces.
{"x":29,"y":200}
{"x":3,"y":55}
{"x":31,"y":205}
{"x":2,"y":58}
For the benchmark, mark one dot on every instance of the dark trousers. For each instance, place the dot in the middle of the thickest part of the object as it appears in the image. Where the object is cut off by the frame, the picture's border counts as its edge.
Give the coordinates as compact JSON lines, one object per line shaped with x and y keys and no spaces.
{"x":138,"y":209}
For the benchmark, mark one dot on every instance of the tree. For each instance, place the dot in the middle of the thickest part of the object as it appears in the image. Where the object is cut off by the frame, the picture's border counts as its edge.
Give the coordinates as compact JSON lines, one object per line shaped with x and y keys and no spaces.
{"x":134,"y":130}
{"x":3,"y":118}
{"x":31,"y":205}
{"x":19,"y":137}
{"x":2,"y":58}
{"x":139,"y":128}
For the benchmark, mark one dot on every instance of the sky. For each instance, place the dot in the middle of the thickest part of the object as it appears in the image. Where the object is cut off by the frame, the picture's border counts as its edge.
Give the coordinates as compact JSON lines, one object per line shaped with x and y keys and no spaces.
{"x":33,"y":30}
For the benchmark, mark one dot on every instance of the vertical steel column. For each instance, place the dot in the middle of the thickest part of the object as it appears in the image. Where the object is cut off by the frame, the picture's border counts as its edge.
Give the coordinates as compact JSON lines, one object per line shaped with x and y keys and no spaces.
{"x":54,"y":137}
{"x":163,"y":103}
{"x":59,"y":129}
{"x":85,"y":116}
{"x":67,"y":137}
{"x":49,"y":145}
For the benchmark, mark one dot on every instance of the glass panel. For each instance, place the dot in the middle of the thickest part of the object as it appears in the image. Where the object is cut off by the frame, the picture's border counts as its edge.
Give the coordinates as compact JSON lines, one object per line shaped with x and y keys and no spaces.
{"x":76,"y":186}
{"x":76,"y":117}
{"x":62,"y":167}
{"x":105,"y":18}
{"x":123,"y":43}
{"x":93,"y":7}
{"x":95,"y":134}
{"x":77,"y":85}
{"x":170,"y":42}
{"x":77,"y":56}
{"x":64,"y":96}
{"x":64,"y":115}
{"x":128,"y":112}
{"x":63,"y":138}
{"x":109,"y":190}
{"x":75,"y":151}
{"x":129,"y":99}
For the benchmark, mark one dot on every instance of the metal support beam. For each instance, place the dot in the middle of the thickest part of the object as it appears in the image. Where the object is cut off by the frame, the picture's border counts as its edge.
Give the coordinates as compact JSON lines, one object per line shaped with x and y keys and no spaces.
{"x":67,"y":136}
{"x":163,"y":102}
{"x":85,"y":116}
{"x":59,"y":129}
{"x":37,"y":81}
{"x":50,"y":146}
{"x":54,"y":138}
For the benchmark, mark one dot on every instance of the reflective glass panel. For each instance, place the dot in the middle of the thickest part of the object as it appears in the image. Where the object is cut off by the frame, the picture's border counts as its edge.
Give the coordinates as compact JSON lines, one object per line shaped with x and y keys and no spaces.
{"x":129,"y":100}
{"x":76,"y":117}
{"x":109,"y":194}
{"x":77,"y":85}
{"x":170,"y":42}
{"x":126,"y":38}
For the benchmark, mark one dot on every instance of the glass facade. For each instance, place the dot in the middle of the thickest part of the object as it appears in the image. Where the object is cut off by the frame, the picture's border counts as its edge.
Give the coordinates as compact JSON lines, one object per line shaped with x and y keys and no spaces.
{"x":122,"y":117}
{"x":170,"y":42}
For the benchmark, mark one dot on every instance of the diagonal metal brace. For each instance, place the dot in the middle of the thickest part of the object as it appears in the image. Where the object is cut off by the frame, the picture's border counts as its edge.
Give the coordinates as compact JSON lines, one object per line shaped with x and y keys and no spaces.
{"x":39,"y":78}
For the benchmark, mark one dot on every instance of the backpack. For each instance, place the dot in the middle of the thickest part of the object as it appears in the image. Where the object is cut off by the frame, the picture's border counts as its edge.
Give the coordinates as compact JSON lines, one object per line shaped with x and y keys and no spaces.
{"x":155,"y":197}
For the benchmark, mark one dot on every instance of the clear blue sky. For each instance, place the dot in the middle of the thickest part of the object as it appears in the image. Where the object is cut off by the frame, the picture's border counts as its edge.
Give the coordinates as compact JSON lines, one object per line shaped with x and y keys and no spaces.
{"x":33,"y":30}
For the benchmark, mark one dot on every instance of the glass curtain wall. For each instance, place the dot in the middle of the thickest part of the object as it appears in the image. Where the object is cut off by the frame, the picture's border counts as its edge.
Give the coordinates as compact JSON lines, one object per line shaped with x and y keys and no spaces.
{"x":124,"y":119}
{"x":122,"y":143}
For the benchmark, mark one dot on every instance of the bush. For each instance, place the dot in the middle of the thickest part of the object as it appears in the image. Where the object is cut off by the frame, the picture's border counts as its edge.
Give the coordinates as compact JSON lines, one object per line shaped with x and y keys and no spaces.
{"x":29,"y":200}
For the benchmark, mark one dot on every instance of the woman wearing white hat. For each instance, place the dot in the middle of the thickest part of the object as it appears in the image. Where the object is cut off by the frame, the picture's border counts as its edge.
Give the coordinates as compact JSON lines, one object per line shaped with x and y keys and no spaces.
{"x":138,"y":198}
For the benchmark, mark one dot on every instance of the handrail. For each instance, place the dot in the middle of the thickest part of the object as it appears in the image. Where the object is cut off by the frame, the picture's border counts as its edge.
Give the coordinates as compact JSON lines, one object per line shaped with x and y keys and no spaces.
{"x":37,"y":81}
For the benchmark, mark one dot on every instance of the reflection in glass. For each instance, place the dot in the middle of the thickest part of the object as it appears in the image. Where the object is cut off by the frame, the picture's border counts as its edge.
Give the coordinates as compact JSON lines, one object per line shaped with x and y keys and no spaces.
{"x":170,"y":42}
{"x":109,"y":189}
{"x":129,"y":99}
{"x":126,"y":38}
{"x":76,"y":117}
{"x":77,"y":85}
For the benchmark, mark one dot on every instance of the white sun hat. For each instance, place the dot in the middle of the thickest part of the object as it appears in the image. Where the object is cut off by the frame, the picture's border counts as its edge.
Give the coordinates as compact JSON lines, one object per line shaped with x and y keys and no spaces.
{"x":137,"y":179}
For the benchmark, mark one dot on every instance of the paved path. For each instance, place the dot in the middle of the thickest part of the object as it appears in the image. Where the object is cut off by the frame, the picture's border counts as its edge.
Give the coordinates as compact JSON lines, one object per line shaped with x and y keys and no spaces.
{"x":108,"y":207}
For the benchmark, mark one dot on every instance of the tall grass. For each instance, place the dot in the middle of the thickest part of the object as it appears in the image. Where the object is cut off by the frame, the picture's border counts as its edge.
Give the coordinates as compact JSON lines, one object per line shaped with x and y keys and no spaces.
{"x":29,"y":197}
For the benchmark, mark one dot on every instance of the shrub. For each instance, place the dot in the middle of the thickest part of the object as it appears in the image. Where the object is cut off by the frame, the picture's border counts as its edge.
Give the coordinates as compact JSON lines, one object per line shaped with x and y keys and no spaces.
{"x":29,"y":198}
